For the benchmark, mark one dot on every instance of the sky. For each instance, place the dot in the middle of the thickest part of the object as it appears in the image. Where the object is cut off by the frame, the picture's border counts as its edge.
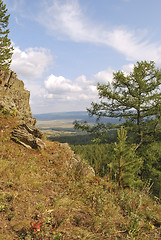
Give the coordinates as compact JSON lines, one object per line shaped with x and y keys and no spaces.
{"x":63,"y":48}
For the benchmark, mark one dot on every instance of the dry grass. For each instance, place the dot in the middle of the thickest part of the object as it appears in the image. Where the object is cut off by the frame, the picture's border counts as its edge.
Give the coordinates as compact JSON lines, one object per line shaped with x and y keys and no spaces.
{"x":40,"y":200}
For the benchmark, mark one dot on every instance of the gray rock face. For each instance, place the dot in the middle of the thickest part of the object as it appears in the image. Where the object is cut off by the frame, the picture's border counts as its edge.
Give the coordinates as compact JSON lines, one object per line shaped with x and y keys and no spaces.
{"x":14,"y":100}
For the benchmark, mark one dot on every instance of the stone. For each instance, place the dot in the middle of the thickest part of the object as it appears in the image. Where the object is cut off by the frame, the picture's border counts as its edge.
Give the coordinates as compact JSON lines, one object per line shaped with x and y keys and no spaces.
{"x":14,"y":100}
{"x":28,"y":136}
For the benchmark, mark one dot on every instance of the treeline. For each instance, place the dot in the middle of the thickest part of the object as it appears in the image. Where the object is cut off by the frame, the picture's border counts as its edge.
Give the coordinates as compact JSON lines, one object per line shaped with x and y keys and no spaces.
{"x":83,"y":139}
{"x":97,"y":155}
{"x":73,"y":139}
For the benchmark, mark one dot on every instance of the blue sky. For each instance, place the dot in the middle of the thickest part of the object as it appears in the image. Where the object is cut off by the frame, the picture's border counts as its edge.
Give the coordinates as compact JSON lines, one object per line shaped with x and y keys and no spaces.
{"x":63,"y":48}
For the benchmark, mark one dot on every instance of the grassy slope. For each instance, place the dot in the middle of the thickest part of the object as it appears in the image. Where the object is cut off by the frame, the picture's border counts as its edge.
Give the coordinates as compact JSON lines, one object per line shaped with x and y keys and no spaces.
{"x":40,"y":199}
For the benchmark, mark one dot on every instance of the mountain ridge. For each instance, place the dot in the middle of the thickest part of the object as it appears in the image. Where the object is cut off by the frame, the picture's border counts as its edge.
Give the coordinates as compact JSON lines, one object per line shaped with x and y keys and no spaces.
{"x":73,"y":115}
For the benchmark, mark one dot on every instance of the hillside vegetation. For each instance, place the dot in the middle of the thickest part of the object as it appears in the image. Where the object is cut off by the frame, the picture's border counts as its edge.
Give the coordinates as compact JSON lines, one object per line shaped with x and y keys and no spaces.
{"x":40,"y":199}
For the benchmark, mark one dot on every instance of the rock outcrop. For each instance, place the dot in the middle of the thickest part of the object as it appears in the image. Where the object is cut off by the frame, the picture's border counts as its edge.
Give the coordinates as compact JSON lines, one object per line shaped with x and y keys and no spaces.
{"x":14,"y":100}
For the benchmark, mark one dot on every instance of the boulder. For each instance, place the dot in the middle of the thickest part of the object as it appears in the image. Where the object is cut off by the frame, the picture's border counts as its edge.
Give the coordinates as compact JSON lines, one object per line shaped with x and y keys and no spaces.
{"x":28,"y":136}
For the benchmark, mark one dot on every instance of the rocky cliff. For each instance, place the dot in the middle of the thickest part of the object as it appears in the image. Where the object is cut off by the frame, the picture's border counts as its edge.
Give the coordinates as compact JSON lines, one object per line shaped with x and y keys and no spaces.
{"x":14,"y":99}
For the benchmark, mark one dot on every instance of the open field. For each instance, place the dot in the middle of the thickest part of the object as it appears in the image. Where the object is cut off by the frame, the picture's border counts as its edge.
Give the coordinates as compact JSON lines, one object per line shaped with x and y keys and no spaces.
{"x":55,"y":128}
{"x":59,"y":126}
{"x":63,"y":131}
{"x":55,"y":124}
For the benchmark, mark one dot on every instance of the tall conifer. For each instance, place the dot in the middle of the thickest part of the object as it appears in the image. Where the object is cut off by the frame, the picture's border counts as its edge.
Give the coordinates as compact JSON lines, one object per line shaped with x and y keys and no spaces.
{"x":135,"y":97}
{"x":126,"y":164}
{"x":6,"y":50}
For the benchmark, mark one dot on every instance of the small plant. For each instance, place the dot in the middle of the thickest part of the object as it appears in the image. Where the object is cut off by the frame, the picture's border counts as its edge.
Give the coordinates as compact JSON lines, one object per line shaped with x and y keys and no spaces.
{"x":58,"y":237}
{"x":134,"y":226}
{"x":2,"y":208}
{"x":37,"y":226}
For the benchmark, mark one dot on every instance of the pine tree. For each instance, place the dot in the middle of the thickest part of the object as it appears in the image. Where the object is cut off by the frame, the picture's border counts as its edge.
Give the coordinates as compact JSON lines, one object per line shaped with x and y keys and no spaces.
{"x":126,"y":165}
{"x":136,"y":98}
{"x":6,"y":50}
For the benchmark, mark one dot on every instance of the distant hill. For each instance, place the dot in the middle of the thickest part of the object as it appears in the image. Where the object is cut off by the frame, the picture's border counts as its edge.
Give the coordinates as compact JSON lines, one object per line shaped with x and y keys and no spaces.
{"x":61,"y":115}
{"x":75,"y":115}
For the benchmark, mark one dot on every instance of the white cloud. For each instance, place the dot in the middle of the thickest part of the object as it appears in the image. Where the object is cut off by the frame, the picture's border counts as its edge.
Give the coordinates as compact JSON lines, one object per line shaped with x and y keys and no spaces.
{"x":60,"y":93}
{"x":134,"y":44}
{"x":60,"y":84}
{"x":128,"y":68}
{"x":36,"y":89}
{"x":82,"y":80}
{"x":31,"y":63}
{"x":64,"y":89}
{"x":93,"y":89}
{"x":67,"y":18}
{"x":81,"y":90}
{"x":84,"y":91}
{"x":104,"y":76}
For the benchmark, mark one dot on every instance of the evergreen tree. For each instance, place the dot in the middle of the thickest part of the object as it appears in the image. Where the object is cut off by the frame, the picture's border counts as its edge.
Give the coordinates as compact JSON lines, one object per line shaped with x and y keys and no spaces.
{"x":126,"y":165}
{"x":6,"y":50}
{"x":135,"y":97}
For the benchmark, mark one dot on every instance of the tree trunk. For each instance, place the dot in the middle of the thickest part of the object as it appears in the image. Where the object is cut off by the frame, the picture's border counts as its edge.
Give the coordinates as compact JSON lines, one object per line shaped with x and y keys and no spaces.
{"x":139,"y":121}
{"x":120,"y":172}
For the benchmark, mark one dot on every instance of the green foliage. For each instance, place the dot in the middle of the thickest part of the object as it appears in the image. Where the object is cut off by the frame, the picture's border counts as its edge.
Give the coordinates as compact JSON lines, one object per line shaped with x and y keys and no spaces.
{"x":82,"y":139}
{"x":136,"y":98}
{"x":118,"y":161}
{"x":6,"y":50}
{"x":99,"y":156}
{"x":126,"y":164}
{"x":100,"y":132}
{"x":151,"y":155}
